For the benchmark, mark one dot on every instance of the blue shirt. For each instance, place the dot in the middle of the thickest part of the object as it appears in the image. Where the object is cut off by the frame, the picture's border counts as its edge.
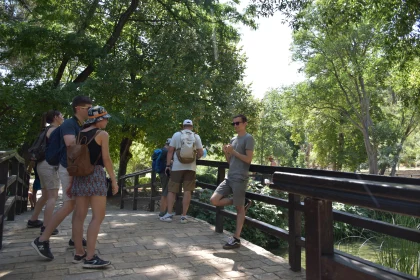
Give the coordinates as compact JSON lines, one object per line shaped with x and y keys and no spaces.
{"x":70,"y":126}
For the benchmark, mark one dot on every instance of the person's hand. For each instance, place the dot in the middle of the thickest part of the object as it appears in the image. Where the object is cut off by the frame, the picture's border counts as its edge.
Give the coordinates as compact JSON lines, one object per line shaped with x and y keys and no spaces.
{"x":225,"y":149}
{"x":68,"y":192}
{"x":114,"y":187}
{"x":229,"y":148}
{"x":168,"y":171}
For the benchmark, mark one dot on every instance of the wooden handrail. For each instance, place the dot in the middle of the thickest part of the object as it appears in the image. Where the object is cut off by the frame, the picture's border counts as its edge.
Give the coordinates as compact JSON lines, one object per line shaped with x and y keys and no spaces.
{"x":14,"y":185}
{"x":320,"y":187}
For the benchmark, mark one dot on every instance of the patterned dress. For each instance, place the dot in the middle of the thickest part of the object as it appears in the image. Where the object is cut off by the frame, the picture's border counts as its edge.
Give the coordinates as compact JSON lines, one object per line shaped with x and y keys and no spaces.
{"x":94,"y":184}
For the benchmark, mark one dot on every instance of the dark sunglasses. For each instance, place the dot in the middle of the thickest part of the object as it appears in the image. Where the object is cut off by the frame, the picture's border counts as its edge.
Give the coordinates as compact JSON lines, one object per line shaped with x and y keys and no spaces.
{"x":235,"y":123}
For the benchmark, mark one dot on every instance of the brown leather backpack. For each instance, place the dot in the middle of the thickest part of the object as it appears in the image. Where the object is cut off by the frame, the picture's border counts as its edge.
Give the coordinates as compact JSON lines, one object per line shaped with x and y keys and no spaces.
{"x":78,"y":157}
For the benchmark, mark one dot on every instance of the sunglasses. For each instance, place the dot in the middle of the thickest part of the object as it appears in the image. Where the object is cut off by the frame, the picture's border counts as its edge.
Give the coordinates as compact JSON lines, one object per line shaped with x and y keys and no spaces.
{"x":85,"y":107}
{"x":236,"y":123}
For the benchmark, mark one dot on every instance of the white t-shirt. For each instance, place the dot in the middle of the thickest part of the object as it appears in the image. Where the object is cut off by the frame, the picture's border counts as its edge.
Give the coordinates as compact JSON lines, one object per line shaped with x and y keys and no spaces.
{"x":176,"y":143}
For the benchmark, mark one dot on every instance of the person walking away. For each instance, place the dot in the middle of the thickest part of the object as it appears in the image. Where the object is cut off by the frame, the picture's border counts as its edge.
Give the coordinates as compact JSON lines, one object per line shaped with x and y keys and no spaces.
{"x":272,"y":161}
{"x":164,"y":180}
{"x":92,"y":189}
{"x":188,"y":148}
{"x":238,"y":154}
{"x":69,"y":129}
{"x":48,"y":176}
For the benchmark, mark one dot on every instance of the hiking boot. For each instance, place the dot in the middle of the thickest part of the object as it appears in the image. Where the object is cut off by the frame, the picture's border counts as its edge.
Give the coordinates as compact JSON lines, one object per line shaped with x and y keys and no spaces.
{"x":248,"y":203}
{"x":55,"y":232}
{"x":184,"y":220}
{"x":78,"y":258}
{"x":166,"y":218}
{"x":71,"y":242}
{"x":95,"y":262}
{"x":42,"y":248}
{"x":232,"y":243}
{"x":35,"y":224}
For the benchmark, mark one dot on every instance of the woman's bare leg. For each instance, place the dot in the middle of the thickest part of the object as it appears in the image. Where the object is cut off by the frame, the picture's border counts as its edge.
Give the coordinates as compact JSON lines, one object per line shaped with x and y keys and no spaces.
{"x":98,"y":204}
{"x":79,"y":216}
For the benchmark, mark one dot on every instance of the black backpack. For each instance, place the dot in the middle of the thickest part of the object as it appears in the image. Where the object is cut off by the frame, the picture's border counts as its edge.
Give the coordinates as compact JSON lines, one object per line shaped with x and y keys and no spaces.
{"x":37,"y":150}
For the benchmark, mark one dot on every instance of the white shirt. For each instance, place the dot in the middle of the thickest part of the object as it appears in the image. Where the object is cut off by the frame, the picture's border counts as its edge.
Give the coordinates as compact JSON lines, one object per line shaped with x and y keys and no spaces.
{"x":176,"y":143}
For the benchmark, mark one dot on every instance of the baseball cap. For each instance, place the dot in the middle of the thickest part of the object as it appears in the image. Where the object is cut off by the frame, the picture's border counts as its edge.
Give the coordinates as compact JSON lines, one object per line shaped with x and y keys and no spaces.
{"x":168,"y":140}
{"x":187,"y":122}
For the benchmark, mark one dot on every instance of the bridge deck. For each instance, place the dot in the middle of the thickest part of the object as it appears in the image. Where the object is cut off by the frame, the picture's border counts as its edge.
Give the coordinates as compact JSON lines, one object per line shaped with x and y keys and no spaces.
{"x":140,"y":247}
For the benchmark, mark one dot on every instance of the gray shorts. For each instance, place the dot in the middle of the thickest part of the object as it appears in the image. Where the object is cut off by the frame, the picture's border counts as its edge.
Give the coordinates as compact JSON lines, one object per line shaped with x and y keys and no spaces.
{"x":237,"y":188}
{"x":48,"y":175}
{"x":164,"y":183}
{"x":65,"y":180}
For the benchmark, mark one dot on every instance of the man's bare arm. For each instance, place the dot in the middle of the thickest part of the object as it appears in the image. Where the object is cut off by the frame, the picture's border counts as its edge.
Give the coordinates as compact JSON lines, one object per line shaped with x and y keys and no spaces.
{"x":69,"y":140}
{"x":169,"y":155}
{"x":245,"y":158}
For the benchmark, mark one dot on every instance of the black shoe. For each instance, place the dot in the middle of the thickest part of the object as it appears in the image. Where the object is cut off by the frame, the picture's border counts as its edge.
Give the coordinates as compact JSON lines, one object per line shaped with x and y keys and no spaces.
{"x":34,"y":224}
{"x":55,"y":232}
{"x":78,"y":259}
{"x":232,"y":243}
{"x":42,"y":248}
{"x":248,"y":203}
{"x":71,"y":243}
{"x":95,"y":262}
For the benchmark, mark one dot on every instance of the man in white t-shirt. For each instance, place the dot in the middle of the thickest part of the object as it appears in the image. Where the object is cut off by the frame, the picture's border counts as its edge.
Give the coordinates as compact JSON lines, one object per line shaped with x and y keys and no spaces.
{"x":181,"y":173}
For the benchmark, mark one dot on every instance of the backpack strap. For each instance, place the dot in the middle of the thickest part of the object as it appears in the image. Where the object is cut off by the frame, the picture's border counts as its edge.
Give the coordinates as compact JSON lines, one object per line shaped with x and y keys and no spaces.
{"x":96,"y":134}
{"x":79,"y":140}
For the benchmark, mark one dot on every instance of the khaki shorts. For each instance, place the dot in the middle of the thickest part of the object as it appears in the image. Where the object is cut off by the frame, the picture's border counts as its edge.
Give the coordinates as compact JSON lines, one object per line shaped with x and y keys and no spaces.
{"x":237,"y":188}
{"x":48,"y":175}
{"x":184,"y":177}
{"x":65,"y":180}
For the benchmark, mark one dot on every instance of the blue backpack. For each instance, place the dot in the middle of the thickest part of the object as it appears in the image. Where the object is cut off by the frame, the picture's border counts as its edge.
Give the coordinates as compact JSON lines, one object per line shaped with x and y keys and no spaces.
{"x":158,"y":163}
{"x":53,"y":149}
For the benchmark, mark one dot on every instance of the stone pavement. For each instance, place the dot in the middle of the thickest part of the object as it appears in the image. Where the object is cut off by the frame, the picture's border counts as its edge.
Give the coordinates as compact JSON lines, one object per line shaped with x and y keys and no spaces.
{"x":140,"y":247}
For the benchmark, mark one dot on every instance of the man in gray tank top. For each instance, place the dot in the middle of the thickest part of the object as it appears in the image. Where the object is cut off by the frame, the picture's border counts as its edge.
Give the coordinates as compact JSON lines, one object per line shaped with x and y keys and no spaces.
{"x":238,"y":154}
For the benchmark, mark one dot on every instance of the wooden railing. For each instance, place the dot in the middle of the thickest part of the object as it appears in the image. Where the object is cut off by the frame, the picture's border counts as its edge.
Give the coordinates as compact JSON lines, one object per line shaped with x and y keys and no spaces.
{"x":14,"y":186}
{"x":320,"y":188}
{"x":153,"y":185}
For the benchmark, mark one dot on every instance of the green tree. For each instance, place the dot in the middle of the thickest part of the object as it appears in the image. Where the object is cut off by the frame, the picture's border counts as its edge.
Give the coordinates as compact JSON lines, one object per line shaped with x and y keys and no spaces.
{"x":151,"y":66}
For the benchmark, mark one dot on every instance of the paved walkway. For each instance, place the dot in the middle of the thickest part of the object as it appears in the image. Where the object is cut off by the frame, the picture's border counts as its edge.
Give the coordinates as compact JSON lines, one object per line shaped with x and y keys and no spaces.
{"x":140,"y":247}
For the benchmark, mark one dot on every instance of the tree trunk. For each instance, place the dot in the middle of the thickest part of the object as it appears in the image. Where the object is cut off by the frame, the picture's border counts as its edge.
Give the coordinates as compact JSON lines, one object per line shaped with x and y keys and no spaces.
{"x":372,"y":154}
{"x":339,"y":161}
{"x":111,"y":40}
{"x":396,"y":159}
{"x":125,"y":156}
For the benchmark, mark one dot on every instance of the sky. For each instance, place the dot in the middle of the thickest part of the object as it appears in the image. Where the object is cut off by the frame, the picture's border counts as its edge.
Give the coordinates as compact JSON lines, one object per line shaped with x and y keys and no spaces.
{"x":269,"y":62}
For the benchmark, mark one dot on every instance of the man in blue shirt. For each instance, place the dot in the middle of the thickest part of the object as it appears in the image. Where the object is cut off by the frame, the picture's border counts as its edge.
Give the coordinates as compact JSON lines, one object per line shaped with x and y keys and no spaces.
{"x":69,"y":131}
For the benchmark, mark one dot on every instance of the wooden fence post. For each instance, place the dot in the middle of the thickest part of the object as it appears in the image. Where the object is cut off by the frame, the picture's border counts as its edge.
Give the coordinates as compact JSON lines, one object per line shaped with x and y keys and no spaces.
{"x":4,"y":174}
{"x":23,"y":190}
{"x":12,"y":191}
{"x":136,"y":191}
{"x":319,"y":239}
{"x":295,"y":231}
{"x":219,"y":218}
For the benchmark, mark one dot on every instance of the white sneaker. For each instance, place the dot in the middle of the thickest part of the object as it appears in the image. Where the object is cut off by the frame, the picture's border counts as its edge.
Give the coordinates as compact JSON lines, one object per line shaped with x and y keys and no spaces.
{"x":184,"y":220}
{"x":166,"y":218}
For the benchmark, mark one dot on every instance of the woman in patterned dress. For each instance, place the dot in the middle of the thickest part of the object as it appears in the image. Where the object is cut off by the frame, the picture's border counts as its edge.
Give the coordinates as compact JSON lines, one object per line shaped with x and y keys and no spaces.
{"x":92,"y":189}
